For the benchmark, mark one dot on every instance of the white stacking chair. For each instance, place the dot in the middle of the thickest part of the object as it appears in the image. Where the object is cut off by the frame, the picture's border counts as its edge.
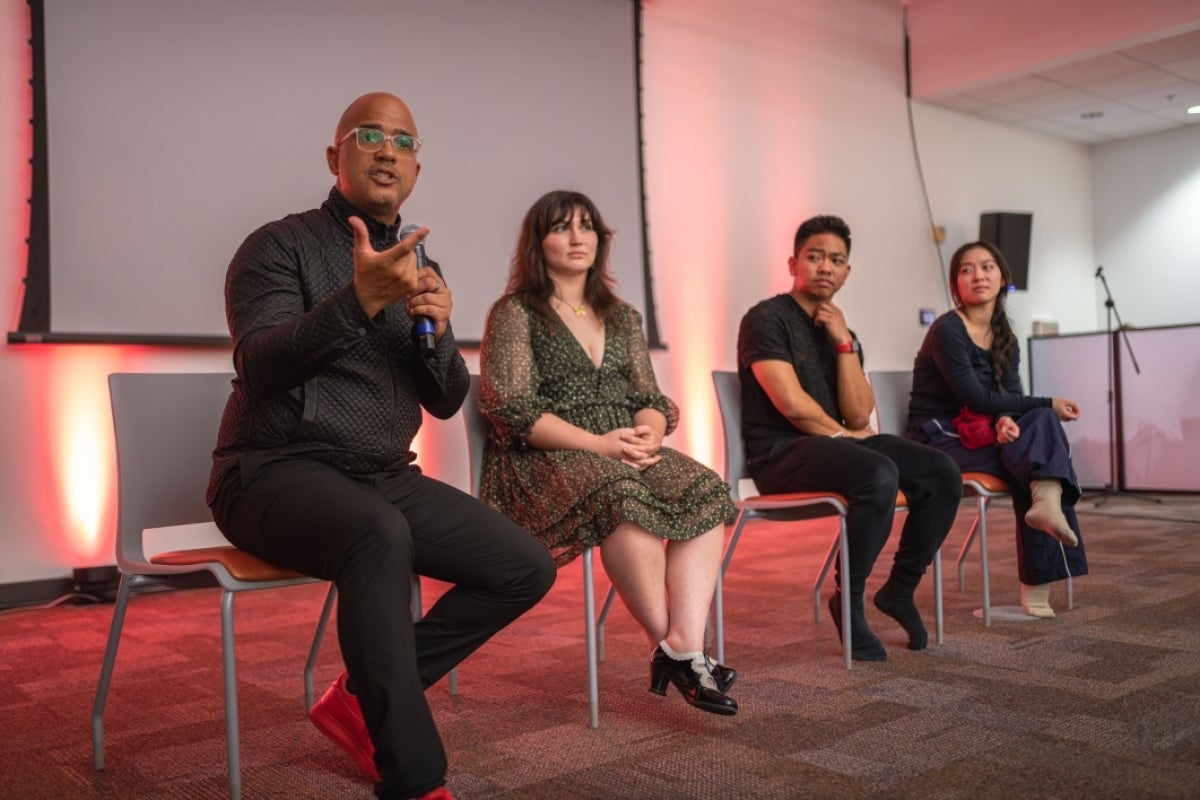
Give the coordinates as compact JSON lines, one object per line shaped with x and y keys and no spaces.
{"x":797,"y":505}
{"x":478,"y":430}
{"x":166,"y":426}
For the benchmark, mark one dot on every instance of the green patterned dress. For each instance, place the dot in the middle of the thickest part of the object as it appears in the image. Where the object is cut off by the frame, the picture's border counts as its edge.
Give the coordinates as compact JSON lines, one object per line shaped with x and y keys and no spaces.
{"x":572,"y":499}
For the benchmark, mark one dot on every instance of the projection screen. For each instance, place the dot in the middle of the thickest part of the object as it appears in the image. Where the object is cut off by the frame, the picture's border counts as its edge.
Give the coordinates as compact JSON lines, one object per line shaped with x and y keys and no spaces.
{"x":174,"y":128}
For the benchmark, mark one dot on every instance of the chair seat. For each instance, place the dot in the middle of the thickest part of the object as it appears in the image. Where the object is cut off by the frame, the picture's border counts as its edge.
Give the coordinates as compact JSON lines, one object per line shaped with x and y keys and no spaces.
{"x":983,"y":483}
{"x":792,"y":499}
{"x":241,"y":565}
{"x":789,"y":499}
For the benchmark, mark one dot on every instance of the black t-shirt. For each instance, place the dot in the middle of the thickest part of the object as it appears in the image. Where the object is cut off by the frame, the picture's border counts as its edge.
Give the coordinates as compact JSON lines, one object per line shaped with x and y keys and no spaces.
{"x":779,"y":329}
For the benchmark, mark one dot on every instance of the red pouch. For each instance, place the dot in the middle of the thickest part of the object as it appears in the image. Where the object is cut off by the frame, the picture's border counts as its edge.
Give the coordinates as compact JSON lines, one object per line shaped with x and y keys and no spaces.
{"x":974,"y":430}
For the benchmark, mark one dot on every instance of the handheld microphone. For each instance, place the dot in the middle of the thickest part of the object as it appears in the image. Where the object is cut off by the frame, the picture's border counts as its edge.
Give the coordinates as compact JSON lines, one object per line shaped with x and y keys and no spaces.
{"x":423,"y":327}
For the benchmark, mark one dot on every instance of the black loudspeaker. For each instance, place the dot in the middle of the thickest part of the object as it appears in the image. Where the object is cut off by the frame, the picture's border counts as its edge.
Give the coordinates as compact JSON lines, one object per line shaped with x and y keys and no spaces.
{"x":1009,"y":231}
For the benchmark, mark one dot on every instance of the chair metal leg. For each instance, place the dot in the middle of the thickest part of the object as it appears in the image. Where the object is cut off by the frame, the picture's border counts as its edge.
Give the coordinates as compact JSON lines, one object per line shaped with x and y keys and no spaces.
{"x":966,"y":548}
{"x":229,"y":663}
{"x":938,"y":614}
{"x":418,"y":610}
{"x":1070,"y":580}
{"x":719,"y":591}
{"x":820,"y":581}
{"x":318,"y":637}
{"x":106,"y":669}
{"x":718,"y":613}
{"x":844,"y":546}
{"x":608,"y":601}
{"x":983,"y":561}
{"x":589,"y":613}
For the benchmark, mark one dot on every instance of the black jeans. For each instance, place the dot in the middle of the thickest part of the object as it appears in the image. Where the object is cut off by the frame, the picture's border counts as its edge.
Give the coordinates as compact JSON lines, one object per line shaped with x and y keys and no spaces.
{"x":868,"y":472}
{"x":369,"y":534}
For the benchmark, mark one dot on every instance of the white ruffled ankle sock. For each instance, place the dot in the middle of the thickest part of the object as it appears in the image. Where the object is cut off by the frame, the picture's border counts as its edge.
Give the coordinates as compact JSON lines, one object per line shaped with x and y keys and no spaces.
{"x":678,"y":656}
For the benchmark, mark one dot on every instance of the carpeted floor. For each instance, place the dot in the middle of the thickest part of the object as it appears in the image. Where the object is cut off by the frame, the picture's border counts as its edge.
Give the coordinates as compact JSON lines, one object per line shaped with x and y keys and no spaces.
{"x":1101,"y":702}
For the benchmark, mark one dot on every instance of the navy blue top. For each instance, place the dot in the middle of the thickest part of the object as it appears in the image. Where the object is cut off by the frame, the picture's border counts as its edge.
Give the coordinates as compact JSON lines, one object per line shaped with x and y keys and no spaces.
{"x":951,"y":371}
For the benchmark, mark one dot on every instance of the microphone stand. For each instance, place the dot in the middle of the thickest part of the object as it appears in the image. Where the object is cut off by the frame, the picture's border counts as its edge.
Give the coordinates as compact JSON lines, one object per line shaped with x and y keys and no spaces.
{"x":1110,"y":489}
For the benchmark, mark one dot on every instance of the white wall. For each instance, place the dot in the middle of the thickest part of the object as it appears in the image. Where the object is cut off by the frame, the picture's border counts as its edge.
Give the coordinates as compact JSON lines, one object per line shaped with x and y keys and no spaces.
{"x":751,"y":126}
{"x":1146,"y":208}
{"x":974,"y":165}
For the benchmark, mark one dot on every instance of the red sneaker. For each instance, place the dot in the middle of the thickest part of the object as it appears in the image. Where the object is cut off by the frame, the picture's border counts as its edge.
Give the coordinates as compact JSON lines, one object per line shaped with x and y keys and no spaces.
{"x":338,"y":716}
{"x":440,"y":793}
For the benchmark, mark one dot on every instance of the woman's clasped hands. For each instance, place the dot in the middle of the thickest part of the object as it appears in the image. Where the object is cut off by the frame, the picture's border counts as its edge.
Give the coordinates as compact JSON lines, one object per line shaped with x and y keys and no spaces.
{"x":637,"y":446}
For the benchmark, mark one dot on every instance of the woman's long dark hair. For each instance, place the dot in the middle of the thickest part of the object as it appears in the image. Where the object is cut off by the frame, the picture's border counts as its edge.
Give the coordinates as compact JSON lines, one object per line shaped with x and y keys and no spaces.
{"x":1004,"y":341}
{"x":528,"y":277}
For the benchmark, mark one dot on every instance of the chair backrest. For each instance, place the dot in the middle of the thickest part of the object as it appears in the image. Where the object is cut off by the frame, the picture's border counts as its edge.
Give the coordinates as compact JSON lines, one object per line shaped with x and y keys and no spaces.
{"x":892,"y":389}
{"x":165,"y":426}
{"x":478,"y":430}
{"x":729,"y":401}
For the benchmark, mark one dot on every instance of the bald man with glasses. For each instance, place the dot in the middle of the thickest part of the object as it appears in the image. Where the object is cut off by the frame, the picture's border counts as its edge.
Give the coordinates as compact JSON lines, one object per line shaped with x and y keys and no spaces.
{"x":313,"y":469}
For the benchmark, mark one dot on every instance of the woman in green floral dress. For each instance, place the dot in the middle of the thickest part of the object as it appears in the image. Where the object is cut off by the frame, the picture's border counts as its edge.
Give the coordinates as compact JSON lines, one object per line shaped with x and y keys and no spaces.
{"x":576,"y":454}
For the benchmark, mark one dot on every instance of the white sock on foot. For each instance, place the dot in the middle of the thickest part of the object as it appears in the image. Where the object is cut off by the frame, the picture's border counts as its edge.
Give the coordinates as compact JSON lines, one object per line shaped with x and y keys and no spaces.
{"x":1046,"y":513}
{"x":1036,"y":600}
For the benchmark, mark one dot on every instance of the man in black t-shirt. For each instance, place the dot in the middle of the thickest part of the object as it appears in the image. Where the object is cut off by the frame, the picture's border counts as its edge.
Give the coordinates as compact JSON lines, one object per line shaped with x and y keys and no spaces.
{"x":806,"y":407}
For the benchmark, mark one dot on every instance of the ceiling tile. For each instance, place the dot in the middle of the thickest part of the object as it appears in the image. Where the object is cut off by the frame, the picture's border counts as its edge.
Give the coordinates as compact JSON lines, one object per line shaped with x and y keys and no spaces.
{"x":1143,"y":80}
{"x":1172,"y":48}
{"x":1130,"y":86}
{"x":1016,"y":89}
{"x":1047,"y":104}
{"x":1133,"y":125}
{"x":1180,"y":96}
{"x":1180,"y":118}
{"x":1092,"y":69}
{"x":1186,"y":68}
{"x":1107,"y":110}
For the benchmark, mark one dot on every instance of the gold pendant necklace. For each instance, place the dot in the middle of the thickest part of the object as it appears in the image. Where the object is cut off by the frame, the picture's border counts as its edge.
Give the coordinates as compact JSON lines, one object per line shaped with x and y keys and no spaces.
{"x":580,"y":310}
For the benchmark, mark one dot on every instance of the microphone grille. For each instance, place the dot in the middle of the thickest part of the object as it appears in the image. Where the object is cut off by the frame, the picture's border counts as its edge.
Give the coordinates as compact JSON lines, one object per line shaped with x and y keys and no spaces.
{"x":406,"y":230}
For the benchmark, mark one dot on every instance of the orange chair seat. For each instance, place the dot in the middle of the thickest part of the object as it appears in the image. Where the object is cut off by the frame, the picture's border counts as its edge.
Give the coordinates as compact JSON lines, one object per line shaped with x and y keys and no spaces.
{"x":800,"y":497}
{"x":240,"y":564}
{"x":988,"y":482}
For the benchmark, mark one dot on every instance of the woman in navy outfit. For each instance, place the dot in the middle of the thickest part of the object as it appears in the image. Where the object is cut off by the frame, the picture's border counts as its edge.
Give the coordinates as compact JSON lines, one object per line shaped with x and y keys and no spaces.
{"x":967,"y":400}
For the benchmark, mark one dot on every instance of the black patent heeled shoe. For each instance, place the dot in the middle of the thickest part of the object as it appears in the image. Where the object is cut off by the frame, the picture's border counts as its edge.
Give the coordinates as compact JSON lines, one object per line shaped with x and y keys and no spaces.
{"x":692,"y":679}
{"x":724,"y":677}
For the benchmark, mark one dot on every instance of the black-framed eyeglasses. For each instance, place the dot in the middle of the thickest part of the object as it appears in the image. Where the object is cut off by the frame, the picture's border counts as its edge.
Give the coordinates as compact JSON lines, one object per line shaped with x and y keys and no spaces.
{"x":372,"y":139}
